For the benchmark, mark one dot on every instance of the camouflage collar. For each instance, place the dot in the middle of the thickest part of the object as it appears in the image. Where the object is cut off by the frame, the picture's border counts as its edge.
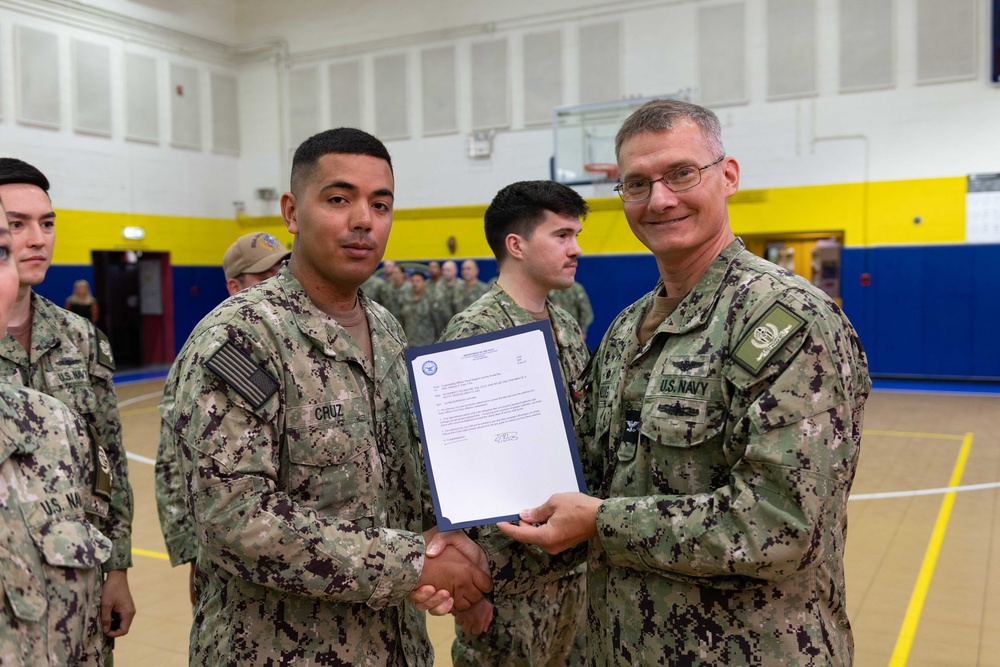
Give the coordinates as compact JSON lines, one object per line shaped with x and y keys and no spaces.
{"x":518,"y":315}
{"x":697,"y":306}
{"x":314,"y":323}
{"x":332,"y":338}
{"x":514,"y":312}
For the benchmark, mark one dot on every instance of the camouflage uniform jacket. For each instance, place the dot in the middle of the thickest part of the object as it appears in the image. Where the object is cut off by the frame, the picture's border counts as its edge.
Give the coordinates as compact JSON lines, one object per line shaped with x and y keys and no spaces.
{"x":71,"y":360}
{"x":373,"y":288}
{"x":574,"y":301}
{"x":176,"y":522}
{"x":442,"y":304}
{"x":726,"y":447}
{"x":417,"y":318}
{"x":393,"y":296}
{"x":306,"y":487}
{"x":50,"y":554}
{"x":463,"y":296}
{"x":541,"y":626}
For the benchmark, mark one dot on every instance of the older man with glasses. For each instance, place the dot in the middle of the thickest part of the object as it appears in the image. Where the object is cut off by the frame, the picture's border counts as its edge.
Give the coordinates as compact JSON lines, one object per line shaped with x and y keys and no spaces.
{"x":721,"y":430}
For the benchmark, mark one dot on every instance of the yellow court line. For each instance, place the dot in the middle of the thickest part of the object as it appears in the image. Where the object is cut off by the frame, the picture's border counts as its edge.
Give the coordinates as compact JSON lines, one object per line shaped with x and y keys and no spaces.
{"x":905,"y":434}
{"x":150,"y":554}
{"x":904,"y":642}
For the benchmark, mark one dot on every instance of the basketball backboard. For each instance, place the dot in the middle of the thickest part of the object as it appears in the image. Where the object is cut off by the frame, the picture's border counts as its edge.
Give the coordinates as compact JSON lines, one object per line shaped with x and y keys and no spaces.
{"x":585,"y":136}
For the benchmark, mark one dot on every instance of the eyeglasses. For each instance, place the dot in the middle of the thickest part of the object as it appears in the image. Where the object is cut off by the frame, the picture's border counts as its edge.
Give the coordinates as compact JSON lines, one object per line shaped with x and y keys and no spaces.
{"x":678,"y":180}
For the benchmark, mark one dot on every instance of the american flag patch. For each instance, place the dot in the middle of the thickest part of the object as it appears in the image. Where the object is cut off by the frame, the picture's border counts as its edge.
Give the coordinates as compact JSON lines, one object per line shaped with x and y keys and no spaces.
{"x":244,"y":375}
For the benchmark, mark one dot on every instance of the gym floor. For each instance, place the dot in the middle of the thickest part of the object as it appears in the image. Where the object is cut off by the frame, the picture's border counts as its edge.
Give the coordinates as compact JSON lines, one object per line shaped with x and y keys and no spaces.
{"x":923,"y":550}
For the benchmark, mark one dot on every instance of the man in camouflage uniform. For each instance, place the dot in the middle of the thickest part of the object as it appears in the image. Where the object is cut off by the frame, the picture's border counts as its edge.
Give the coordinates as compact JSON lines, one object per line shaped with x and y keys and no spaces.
{"x":415,"y":312}
{"x":442,"y":308}
{"x":373,"y":288}
{"x":531,"y":226}
{"x":61,"y":354}
{"x":433,"y":273}
{"x":251,"y":259}
{"x":469,"y":289}
{"x":395,"y":288}
{"x":50,"y":554}
{"x":574,"y":301}
{"x":307,"y":486}
{"x":722,"y":425}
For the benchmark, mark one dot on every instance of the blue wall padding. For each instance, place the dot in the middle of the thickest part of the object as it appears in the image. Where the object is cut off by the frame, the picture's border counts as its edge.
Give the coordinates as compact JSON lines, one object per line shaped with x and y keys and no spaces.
{"x":191,"y":306}
{"x":930,"y":311}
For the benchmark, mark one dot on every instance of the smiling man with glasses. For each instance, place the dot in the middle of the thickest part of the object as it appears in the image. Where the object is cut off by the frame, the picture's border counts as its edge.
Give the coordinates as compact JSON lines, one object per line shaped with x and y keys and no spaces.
{"x":721,"y":429}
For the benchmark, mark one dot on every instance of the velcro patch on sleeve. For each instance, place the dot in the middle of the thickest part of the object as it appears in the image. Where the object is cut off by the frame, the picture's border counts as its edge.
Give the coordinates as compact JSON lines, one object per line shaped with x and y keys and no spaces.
{"x":104,"y":354}
{"x":243,"y":374}
{"x":767,"y":335}
{"x":102,"y":467}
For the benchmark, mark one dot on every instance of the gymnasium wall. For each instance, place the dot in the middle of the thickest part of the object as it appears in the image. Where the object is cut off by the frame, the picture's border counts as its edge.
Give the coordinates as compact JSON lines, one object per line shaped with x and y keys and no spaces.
{"x":859,"y":117}
{"x":931,"y":308}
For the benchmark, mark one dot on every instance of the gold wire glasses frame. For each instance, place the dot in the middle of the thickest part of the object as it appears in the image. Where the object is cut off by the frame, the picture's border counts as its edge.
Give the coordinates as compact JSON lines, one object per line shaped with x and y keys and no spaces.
{"x":678,"y":180}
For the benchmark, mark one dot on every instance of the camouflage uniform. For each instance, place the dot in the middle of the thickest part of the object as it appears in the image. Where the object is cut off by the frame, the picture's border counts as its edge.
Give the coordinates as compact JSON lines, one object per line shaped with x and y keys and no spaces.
{"x":50,"y":554}
{"x":726,"y":447}
{"x":575,"y":302}
{"x":463,"y":296}
{"x":373,"y":288}
{"x":176,"y":522}
{"x":417,"y":318}
{"x":545,"y":626}
{"x":442,"y":308}
{"x":393,"y":297}
{"x":71,"y":360}
{"x":306,"y":488}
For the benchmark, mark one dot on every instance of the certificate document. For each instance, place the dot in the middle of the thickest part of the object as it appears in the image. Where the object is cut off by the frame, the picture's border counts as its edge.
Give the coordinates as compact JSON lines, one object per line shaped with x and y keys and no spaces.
{"x":495,"y":425}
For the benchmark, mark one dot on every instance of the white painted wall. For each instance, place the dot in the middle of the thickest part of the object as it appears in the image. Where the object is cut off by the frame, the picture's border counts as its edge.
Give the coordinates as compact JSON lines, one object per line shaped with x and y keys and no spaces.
{"x":906,"y":131}
{"x":112,"y":173}
{"x":211,"y":19}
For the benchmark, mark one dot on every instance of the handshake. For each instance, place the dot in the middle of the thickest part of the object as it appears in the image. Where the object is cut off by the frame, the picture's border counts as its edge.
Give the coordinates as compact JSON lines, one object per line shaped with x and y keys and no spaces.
{"x":454,"y":577}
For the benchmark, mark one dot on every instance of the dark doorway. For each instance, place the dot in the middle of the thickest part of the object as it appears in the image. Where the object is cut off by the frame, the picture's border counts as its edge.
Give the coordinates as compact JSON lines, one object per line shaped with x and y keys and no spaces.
{"x":134,"y":291}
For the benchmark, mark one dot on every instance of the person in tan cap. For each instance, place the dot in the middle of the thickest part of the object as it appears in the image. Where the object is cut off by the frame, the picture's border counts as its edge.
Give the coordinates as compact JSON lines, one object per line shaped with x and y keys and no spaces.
{"x":252,"y":259}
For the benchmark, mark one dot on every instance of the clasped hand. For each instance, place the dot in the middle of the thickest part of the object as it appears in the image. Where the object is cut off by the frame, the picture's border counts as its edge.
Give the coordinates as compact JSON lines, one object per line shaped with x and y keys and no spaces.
{"x":455,"y":573}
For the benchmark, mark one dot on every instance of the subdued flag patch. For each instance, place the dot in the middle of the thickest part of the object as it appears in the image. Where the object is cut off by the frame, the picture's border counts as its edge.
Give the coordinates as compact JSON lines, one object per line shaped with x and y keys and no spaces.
{"x":243,"y":374}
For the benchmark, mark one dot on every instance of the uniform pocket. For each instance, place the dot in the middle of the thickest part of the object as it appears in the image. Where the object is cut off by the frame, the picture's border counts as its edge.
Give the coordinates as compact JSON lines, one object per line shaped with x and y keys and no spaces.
{"x":78,"y":395}
{"x":75,"y":544}
{"x":672,"y":421}
{"x":333,"y":463}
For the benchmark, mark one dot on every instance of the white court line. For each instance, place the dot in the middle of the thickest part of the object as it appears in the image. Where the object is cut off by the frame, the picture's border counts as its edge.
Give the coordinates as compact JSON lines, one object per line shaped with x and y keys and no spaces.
{"x":130,"y":401}
{"x":923,"y":492}
{"x":139,"y":399}
{"x":856,"y":496}
{"x":140,"y":459}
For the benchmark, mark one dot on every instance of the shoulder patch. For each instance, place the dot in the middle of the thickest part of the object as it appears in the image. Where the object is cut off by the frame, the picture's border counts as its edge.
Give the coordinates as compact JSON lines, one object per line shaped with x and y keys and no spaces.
{"x":104,"y":355}
{"x":766,"y":336}
{"x":243,"y":374}
{"x":101,"y":485}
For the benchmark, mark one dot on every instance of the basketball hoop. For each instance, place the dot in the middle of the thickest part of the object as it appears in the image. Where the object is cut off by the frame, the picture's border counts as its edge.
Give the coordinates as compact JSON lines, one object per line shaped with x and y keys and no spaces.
{"x":609,"y":169}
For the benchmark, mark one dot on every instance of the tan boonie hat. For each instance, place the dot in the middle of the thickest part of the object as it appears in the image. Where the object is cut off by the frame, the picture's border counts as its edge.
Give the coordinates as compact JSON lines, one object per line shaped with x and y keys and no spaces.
{"x":253,"y":253}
